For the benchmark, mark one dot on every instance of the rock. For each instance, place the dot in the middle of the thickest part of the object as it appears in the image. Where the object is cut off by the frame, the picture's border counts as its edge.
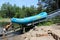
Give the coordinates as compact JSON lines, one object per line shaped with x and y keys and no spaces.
{"x":35,"y":28}
{"x":39,"y":34}
{"x":42,"y":38}
{"x":27,"y":39}
{"x":33,"y":33}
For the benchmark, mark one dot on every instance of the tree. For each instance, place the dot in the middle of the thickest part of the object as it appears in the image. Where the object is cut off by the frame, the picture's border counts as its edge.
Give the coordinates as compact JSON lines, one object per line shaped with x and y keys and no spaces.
{"x":7,"y":10}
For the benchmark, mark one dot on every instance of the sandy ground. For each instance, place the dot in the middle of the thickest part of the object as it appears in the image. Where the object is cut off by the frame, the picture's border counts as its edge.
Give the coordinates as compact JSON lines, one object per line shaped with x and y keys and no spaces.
{"x":38,"y":33}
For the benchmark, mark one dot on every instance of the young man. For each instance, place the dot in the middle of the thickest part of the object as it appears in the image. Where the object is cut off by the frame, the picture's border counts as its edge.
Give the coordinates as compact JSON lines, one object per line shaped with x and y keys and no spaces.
{"x":7,"y":27}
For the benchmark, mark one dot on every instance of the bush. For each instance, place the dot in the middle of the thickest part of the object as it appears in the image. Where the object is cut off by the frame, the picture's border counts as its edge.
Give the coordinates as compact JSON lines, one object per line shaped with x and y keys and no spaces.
{"x":45,"y":23}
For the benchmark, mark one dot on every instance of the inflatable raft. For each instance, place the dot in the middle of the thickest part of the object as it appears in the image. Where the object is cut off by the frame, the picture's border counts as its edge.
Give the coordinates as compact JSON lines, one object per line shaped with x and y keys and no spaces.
{"x":29,"y":19}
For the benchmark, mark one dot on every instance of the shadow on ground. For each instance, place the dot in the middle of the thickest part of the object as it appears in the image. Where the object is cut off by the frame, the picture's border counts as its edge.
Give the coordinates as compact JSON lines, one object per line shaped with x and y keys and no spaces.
{"x":19,"y":32}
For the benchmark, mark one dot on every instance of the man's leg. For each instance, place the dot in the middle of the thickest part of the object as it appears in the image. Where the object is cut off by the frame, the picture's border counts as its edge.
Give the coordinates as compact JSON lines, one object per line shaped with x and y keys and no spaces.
{"x":4,"y":30}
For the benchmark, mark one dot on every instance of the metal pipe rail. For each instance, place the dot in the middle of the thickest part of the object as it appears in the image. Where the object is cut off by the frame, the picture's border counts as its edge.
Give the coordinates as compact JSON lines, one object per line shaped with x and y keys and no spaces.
{"x":52,"y":15}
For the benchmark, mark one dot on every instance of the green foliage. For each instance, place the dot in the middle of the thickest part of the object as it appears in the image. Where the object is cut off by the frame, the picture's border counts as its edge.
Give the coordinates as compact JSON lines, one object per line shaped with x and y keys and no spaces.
{"x":45,"y":23}
{"x":56,"y":20}
{"x":39,"y":9}
{"x":9,"y":11}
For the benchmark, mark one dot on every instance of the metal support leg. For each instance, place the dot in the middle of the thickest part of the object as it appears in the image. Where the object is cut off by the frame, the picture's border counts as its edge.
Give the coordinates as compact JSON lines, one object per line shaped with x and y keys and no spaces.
{"x":23,"y":29}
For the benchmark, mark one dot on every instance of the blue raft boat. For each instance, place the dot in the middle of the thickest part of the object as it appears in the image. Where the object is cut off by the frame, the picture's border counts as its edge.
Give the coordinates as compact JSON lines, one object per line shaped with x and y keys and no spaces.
{"x":29,"y":19}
